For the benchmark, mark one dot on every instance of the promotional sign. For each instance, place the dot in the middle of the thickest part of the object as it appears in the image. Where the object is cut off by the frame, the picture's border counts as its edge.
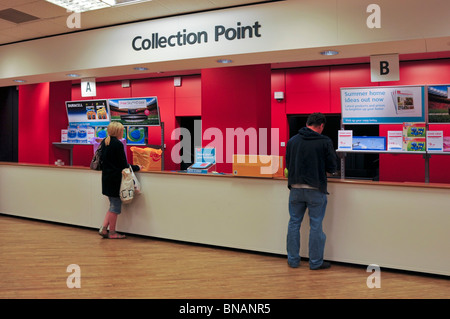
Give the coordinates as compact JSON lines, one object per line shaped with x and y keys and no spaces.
{"x":395,"y":140}
{"x":414,"y":144}
{"x":142,"y":111}
{"x":439,"y":104}
{"x":383,"y":105}
{"x":414,"y":129}
{"x":345,"y":139}
{"x":435,"y":141}
{"x":88,"y":113}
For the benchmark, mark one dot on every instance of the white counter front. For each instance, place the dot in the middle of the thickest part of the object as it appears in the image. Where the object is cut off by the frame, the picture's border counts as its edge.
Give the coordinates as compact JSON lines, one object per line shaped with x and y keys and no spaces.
{"x":400,"y":226}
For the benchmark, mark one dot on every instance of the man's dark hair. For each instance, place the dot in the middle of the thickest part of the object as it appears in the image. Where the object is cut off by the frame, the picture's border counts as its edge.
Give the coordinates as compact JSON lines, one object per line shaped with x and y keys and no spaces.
{"x":316,"y":119}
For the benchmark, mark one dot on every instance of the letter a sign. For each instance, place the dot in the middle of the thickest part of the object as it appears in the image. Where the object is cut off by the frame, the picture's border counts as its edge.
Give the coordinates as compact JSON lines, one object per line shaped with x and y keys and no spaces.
{"x":384,"y":68}
{"x":88,"y":87}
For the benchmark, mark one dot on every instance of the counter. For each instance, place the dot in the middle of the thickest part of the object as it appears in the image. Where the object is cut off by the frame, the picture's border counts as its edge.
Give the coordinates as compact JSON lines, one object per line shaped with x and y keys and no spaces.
{"x":395,"y":225}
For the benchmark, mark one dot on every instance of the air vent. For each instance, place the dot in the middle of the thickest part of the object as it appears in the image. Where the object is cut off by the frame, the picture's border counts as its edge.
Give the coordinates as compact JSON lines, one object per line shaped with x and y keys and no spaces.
{"x":16,"y":16}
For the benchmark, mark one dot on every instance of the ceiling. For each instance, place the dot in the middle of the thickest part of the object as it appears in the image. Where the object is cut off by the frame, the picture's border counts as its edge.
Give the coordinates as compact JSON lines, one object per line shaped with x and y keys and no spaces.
{"x":49,"y":20}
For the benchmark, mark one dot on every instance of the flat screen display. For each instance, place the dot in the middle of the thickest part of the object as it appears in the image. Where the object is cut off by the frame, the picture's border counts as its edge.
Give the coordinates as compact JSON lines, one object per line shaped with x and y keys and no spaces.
{"x":143,"y":111}
{"x":375,"y":143}
{"x":88,"y":113}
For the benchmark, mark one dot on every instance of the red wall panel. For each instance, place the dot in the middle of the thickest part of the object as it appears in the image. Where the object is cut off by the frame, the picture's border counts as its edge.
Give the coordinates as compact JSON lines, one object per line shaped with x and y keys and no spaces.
{"x":308,"y":90}
{"x":232,"y":98}
{"x":188,"y":99}
{"x":34,"y":123}
{"x":42,"y":114}
{"x":76,"y":93}
{"x":278,"y":115}
{"x":423,"y":72}
{"x":60,"y":92}
{"x":112,"y":90}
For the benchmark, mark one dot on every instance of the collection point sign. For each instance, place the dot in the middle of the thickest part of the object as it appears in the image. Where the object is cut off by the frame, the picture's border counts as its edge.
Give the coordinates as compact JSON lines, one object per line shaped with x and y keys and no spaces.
{"x":182,"y":38}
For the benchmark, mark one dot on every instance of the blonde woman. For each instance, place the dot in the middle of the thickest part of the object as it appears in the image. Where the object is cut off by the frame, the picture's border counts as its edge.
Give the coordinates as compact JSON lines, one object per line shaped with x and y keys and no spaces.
{"x":114,"y":161}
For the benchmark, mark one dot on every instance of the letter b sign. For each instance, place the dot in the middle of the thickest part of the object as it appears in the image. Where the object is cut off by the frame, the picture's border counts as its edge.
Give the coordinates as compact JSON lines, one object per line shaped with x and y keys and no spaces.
{"x":384,"y":68}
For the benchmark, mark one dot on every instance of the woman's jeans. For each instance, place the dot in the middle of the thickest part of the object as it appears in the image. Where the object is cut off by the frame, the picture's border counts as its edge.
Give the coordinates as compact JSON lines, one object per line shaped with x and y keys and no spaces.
{"x":316,"y":202}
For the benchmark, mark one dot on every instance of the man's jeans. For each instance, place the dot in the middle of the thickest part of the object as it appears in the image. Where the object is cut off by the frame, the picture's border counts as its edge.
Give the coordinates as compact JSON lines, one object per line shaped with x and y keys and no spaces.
{"x":316,"y":202}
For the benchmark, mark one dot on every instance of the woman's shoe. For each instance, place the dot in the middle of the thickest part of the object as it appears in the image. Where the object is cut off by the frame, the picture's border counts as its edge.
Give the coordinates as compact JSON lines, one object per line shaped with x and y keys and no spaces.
{"x":116,"y":235}
{"x":103,"y":232}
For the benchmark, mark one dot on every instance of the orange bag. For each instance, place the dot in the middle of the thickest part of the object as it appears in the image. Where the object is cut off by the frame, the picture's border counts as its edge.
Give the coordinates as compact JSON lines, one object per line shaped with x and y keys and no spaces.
{"x":148,"y":158}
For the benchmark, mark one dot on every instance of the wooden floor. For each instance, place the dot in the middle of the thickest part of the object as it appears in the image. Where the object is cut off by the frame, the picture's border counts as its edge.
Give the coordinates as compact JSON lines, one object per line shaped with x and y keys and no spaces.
{"x":34,"y":257}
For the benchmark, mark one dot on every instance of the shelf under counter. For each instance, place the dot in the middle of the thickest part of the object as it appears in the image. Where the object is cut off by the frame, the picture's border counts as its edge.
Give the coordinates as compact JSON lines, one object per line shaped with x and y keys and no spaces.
{"x":69,"y":146}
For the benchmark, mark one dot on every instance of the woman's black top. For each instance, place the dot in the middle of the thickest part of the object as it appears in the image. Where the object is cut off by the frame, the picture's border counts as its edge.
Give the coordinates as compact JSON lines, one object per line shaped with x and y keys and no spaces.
{"x":114,"y":161}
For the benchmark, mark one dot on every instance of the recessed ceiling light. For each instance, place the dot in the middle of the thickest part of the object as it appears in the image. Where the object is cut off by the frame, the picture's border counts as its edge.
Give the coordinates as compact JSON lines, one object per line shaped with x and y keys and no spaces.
{"x":124,"y":2}
{"x":80,"y":5}
{"x":88,"y":5}
{"x":140,"y":68}
{"x":224,"y":61}
{"x":73,"y":75}
{"x":329,"y":52}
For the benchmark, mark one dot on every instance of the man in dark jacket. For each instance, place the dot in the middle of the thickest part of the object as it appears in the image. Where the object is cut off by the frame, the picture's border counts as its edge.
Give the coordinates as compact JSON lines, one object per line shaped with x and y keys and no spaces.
{"x":309,"y":157}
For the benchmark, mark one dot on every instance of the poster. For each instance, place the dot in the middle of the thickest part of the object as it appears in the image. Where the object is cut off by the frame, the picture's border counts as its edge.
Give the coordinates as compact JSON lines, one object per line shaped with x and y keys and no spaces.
{"x":142,"y":111}
{"x":88,"y":113}
{"x":383,"y":105}
{"x":439,"y":104}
